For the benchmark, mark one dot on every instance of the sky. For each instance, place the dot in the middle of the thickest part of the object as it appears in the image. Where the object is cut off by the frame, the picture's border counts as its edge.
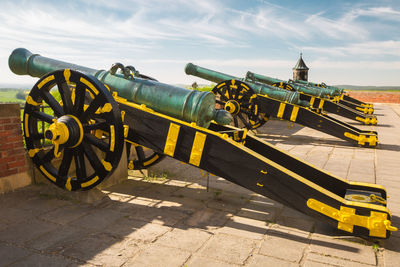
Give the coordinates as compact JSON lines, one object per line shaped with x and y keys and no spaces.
{"x":343,"y":42}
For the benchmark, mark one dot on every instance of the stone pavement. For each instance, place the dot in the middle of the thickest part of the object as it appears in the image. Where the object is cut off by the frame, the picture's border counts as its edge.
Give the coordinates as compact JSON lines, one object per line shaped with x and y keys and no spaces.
{"x":171,"y":219}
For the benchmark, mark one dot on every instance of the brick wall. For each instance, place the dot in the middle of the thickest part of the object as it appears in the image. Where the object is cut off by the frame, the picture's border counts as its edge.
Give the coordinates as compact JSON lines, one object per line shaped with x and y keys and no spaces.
{"x":12,"y":152}
{"x":376,"y":97}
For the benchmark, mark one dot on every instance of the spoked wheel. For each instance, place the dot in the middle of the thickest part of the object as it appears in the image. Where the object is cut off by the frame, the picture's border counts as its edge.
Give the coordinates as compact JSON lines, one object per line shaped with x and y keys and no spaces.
{"x":283,"y":85}
{"x":141,"y":158}
{"x":240,"y":100}
{"x":83,"y":130}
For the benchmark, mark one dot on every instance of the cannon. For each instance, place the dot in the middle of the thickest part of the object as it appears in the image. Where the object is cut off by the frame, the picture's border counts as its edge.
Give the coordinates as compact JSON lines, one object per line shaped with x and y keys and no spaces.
{"x":343,"y":98}
{"x":252,"y":108}
{"x":331,"y":99}
{"x":90,"y":123}
{"x":318,"y":92}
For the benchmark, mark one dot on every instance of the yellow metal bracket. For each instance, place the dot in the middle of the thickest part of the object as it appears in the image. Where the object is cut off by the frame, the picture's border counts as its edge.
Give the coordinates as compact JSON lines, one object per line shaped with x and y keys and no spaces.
{"x":377,"y":223}
{"x":367,"y":121}
{"x":33,"y":152}
{"x":362,"y":139}
{"x":32,"y":102}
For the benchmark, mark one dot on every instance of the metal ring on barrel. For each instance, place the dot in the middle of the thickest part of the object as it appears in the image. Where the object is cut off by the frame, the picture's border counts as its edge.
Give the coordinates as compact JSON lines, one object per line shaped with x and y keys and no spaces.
{"x":85,"y":134}
{"x":241,"y":101}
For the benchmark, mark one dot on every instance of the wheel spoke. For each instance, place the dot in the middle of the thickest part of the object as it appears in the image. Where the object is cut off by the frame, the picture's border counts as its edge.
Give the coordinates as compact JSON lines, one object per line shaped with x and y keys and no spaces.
{"x":235,"y":121}
{"x":80,"y":163}
{"x":49,"y":155}
{"x":96,"y":142}
{"x":96,"y":126}
{"x":52,"y":102}
{"x":229,"y":90}
{"x":43,"y":116}
{"x":245,"y":105}
{"x":93,"y":106}
{"x":244,"y":121}
{"x":65,"y":93}
{"x":65,"y":163}
{"x":37,"y":136}
{"x":93,"y":159}
{"x":80,"y":91}
{"x":219,"y":102}
{"x":140,"y":153}
{"x":221,"y":95}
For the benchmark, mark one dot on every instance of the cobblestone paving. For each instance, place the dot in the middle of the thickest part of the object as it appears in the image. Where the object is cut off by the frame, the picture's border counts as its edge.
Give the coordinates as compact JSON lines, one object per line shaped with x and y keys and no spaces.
{"x":176,"y":221}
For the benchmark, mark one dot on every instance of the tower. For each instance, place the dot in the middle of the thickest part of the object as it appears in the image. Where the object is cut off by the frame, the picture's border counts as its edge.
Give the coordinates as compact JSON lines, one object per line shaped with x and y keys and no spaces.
{"x":300,"y":71}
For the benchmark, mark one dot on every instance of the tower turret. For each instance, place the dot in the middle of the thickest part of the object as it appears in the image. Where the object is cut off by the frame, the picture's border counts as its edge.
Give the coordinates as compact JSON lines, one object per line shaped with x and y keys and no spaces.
{"x":300,"y":70}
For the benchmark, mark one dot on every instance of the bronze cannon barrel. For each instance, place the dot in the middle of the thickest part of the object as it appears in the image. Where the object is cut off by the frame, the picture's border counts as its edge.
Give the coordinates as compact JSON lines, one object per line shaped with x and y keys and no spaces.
{"x":180,"y":103}
{"x":271,"y":91}
{"x":314,"y":91}
{"x":336,"y":90}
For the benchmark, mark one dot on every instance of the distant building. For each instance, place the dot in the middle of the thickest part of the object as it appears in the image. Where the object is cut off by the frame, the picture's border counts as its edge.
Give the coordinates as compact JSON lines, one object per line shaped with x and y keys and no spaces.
{"x":300,"y":71}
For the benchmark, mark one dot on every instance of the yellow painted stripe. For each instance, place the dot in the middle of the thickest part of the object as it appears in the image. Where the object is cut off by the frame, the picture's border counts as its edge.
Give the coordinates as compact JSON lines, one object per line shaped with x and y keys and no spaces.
{"x":47,"y":174}
{"x":150,"y":161}
{"x":90,"y":85}
{"x":172,"y":138}
{"x":90,"y":182}
{"x":312,"y":101}
{"x":321,"y":103}
{"x":197,"y":148}
{"x":281,"y":110}
{"x":295,"y":110}
{"x":48,"y":79}
{"x":112,"y":138}
{"x":26,"y":121}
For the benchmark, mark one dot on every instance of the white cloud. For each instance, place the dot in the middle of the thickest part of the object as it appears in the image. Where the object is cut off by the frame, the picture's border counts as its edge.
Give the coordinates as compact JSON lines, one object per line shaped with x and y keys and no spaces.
{"x":372,"y":48}
{"x":385,"y":13}
{"x":343,"y":28}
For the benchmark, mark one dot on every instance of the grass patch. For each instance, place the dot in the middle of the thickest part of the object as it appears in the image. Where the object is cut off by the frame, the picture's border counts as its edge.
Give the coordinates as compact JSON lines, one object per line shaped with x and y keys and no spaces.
{"x":10,"y":96}
{"x":206,"y":88}
{"x":152,"y":177}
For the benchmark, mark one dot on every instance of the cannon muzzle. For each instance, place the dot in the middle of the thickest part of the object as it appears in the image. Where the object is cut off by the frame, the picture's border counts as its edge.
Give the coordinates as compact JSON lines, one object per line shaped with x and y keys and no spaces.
{"x":181,"y":103}
{"x":264,"y":89}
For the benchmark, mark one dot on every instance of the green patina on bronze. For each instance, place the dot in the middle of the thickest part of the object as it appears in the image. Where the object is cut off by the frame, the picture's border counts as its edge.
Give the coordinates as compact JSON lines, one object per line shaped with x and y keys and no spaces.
{"x":180,"y":103}
{"x":314,"y":91}
{"x":337,"y":91}
{"x":271,"y":91}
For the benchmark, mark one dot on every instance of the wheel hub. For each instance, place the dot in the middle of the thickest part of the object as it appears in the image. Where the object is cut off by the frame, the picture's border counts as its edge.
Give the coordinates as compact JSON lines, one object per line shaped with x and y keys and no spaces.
{"x":66,"y":130}
{"x":232,"y":106}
